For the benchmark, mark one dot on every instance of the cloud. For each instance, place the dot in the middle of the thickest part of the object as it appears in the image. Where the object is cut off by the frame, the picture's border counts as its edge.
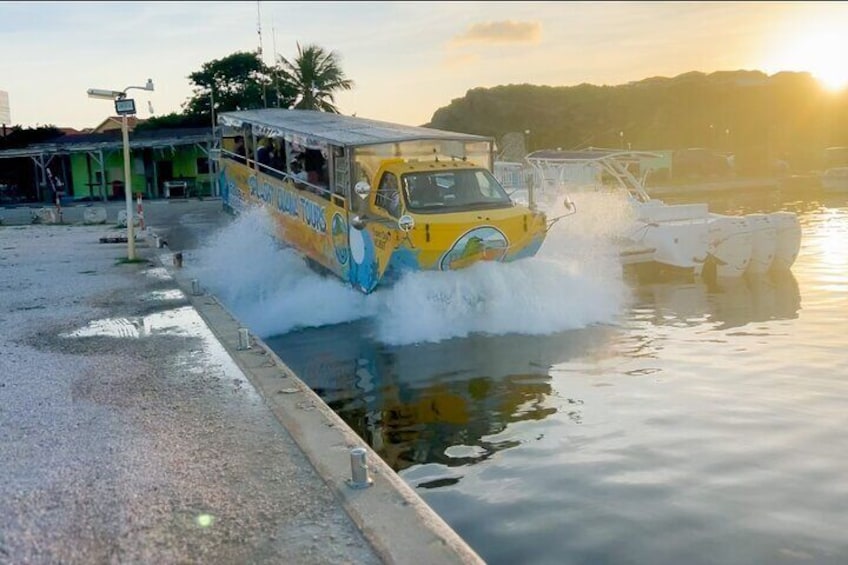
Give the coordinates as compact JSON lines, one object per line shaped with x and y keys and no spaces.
{"x":500,"y":32}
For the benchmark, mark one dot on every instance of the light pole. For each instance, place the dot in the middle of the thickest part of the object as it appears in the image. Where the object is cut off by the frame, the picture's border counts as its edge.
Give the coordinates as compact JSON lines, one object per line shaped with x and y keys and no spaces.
{"x":124,"y":106}
{"x":212,"y":185}
{"x":527,"y":140}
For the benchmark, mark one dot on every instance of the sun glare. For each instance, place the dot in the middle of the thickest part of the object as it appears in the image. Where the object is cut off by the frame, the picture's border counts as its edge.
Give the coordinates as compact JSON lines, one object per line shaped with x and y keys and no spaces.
{"x":819,"y":51}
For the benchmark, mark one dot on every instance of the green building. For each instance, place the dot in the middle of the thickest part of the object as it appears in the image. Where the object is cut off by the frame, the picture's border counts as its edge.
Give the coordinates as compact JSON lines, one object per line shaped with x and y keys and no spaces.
{"x":164,"y":163}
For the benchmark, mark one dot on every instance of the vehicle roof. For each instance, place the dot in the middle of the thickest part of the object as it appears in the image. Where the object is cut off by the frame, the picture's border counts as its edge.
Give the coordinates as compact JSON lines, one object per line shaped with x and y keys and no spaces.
{"x":336,"y":129}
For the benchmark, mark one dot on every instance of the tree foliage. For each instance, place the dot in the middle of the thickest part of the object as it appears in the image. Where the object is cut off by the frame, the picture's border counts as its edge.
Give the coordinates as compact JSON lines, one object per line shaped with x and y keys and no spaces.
{"x":315,"y":74}
{"x":18,"y":137}
{"x":175,"y":120}
{"x":757,"y":117}
{"x":240,"y":81}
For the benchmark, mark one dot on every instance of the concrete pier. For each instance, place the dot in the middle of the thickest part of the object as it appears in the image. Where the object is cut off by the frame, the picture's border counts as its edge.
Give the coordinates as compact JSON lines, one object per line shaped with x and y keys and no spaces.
{"x":133,"y":428}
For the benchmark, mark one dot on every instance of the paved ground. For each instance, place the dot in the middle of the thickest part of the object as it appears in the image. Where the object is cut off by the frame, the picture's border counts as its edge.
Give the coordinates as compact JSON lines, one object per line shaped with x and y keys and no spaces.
{"x":130,"y":432}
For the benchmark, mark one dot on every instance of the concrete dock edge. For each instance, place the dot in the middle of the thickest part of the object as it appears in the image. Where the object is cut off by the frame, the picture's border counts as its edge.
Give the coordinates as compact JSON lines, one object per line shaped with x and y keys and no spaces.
{"x":396,"y":521}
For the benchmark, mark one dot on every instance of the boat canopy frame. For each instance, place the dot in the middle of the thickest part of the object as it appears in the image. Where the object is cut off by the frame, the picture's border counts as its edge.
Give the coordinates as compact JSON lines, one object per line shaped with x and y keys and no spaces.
{"x":613,"y":161}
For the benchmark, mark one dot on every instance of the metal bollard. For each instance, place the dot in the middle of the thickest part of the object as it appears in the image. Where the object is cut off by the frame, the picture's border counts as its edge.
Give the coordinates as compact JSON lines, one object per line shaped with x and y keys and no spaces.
{"x":178,"y":259}
{"x":243,"y":339}
{"x":158,"y":241}
{"x":359,"y":469}
{"x":195,"y":287}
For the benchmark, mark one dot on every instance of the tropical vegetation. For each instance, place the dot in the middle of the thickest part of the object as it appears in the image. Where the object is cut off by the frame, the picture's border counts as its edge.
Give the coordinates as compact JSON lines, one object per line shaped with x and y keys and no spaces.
{"x":760,"y":119}
{"x":315,"y":74}
{"x":242,"y":81}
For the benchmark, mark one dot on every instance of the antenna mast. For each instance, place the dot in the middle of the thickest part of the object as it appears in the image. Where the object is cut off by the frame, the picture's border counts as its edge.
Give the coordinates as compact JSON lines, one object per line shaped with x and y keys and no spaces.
{"x":274,"y":47}
{"x":261,"y":58}
{"x":259,"y":27}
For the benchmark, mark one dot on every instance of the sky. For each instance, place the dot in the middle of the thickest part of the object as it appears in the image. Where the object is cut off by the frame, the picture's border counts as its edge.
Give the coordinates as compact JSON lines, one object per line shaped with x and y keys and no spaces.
{"x":407,"y":59}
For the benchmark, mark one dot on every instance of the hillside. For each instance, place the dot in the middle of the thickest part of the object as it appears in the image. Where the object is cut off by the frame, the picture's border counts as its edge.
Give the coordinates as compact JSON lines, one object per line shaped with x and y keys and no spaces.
{"x":757,"y":117}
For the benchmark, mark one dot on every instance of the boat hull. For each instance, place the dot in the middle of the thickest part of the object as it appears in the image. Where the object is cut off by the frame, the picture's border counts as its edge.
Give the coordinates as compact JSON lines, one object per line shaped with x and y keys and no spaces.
{"x":764,"y":243}
{"x":679,"y":234}
{"x":731,"y":245}
{"x":788,"y":239}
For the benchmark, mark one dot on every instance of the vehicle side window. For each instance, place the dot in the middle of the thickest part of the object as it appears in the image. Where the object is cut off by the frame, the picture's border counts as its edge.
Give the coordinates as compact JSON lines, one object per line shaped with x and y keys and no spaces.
{"x":388,"y":197}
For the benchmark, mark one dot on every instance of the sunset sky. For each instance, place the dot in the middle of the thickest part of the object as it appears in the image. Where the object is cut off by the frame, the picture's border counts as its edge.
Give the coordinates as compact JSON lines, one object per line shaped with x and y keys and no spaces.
{"x":407,"y":59}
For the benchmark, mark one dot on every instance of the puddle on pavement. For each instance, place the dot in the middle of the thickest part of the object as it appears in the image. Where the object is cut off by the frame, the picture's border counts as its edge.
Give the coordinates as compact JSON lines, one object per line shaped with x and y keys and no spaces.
{"x":159,"y":273}
{"x":179,"y":321}
{"x":211,"y":359}
{"x":171,"y":294}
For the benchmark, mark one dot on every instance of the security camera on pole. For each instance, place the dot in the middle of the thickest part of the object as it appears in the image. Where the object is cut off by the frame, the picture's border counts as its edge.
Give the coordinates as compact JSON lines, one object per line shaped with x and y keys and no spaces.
{"x":124,"y":107}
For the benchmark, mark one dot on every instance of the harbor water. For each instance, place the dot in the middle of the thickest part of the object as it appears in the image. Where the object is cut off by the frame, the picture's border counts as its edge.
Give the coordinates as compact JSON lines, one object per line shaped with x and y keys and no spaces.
{"x":563,"y":410}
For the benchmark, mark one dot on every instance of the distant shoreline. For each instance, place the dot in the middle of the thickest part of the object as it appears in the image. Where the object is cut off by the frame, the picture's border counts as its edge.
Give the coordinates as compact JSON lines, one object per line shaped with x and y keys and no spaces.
{"x":805,"y":182}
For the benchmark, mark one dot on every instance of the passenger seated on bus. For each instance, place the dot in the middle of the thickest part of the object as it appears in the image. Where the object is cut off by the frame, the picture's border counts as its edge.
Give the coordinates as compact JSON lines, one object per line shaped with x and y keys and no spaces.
{"x":263,"y":154}
{"x":278,"y":157}
{"x":388,"y":196}
{"x":324,"y":181}
{"x":422,"y":192}
{"x":250,"y":149}
{"x":312,"y":163}
{"x":298,"y":174}
{"x":466,"y":188}
{"x":239,"y":150}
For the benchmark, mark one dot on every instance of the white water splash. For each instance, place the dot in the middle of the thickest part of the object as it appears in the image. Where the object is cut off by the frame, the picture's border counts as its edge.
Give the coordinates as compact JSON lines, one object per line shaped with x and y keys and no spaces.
{"x":269,"y":288}
{"x":574,"y":281}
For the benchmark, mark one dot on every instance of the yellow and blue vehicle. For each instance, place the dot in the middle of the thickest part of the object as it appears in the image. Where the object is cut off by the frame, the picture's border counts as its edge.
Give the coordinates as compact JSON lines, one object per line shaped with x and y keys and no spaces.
{"x":369,"y":200}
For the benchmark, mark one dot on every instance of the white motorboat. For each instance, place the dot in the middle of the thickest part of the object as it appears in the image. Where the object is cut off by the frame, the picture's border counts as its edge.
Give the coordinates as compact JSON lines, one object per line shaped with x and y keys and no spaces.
{"x":835,"y":176}
{"x":764,"y":243}
{"x":835,"y":179}
{"x":788,"y":231}
{"x":681,"y":236}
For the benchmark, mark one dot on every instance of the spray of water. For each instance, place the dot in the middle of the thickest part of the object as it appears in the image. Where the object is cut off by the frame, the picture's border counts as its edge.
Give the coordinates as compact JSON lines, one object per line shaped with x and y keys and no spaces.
{"x":573,"y":282}
{"x":270,"y":288}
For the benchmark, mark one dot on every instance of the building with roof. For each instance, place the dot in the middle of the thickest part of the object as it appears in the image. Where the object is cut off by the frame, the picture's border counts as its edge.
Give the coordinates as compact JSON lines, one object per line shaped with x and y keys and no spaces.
{"x":90,"y":166}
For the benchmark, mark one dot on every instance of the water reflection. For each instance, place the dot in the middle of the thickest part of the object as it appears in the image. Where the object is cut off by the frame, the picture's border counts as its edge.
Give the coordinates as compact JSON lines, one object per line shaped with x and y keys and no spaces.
{"x":436,"y":403}
{"x":726,"y":304}
{"x":448,"y":403}
{"x":800,"y":201}
{"x":634,"y":443}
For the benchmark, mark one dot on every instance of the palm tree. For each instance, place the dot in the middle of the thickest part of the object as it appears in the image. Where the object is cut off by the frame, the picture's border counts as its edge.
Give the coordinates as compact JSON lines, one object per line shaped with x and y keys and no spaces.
{"x":315,"y":75}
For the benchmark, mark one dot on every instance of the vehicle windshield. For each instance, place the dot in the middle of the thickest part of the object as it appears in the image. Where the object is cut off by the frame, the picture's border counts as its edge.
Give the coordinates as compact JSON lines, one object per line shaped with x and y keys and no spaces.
{"x":432,"y":192}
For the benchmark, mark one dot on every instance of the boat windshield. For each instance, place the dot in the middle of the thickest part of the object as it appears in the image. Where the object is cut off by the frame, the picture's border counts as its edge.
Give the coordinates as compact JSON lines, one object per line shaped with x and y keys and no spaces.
{"x":433,"y":192}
